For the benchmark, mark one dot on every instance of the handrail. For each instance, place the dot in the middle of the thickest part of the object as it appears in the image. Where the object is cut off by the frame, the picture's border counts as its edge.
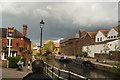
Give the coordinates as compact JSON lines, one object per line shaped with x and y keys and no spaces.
{"x":61,"y":70}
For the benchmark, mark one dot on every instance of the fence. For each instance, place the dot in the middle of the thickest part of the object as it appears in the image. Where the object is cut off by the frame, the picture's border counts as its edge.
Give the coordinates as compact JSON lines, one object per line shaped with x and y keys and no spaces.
{"x":60,"y":74}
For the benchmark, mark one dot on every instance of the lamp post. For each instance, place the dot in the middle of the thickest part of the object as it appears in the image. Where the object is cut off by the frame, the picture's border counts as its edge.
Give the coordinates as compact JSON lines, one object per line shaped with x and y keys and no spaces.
{"x":41,"y":27}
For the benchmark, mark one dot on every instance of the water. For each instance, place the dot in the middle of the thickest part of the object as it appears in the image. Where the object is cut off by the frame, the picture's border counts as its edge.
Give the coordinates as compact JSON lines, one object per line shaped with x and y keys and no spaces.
{"x":86,"y":72}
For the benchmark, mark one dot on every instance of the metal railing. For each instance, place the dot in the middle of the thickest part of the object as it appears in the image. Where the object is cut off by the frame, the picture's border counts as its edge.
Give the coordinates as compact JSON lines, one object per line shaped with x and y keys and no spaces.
{"x":60,"y":74}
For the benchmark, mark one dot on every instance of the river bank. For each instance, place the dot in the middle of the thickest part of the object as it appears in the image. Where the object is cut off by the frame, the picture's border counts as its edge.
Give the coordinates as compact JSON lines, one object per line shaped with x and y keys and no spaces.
{"x":101,"y":66}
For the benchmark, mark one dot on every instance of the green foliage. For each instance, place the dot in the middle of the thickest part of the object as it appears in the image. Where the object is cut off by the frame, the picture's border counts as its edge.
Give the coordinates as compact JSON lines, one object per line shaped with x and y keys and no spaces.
{"x":13,"y":61}
{"x":20,"y":48}
{"x":117,"y":67}
{"x":48,"y":47}
{"x":4,"y":47}
{"x":81,"y":55}
{"x":106,"y":48}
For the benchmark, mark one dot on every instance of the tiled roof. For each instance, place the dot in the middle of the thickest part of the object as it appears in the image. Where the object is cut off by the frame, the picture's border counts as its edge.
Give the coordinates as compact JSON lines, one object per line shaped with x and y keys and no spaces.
{"x":92,"y":34}
{"x":74,"y":36}
{"x":82,"y":32}
{"x":47,"y":41}
{"x":104,"y":32}
{"x":3,"y":32}
{"x":117,"y":29}
{"x":57,"y":44}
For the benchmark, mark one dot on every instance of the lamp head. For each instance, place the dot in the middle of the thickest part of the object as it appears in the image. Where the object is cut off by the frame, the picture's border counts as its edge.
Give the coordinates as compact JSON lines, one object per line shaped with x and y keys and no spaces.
{"x":42,"y":24}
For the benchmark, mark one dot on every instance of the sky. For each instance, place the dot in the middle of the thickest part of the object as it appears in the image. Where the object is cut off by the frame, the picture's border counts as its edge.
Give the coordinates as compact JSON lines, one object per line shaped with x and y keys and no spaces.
{"x":61,"y":18}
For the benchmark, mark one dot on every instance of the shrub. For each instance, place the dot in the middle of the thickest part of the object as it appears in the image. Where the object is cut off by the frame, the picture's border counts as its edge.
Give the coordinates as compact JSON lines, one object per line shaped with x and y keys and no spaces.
{"x":13,"y":61}
{"x":80,"y":55}
{"x":116,"y":67}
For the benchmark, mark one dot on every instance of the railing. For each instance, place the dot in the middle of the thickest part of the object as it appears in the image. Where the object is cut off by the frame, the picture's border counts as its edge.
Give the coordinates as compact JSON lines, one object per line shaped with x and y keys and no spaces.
{"x":60,"y":74}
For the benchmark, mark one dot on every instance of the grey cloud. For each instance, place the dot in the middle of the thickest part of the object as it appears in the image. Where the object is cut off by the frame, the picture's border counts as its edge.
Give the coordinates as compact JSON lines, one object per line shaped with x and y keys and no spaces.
{"x":61,"y":19}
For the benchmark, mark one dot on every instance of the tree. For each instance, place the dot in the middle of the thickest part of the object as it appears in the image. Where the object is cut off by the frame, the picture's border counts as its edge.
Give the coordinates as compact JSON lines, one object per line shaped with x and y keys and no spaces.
{"x":21,"y":49}
{"x":106,"y":48}
{"x":49,"y":47}
{"x":117,"y":48}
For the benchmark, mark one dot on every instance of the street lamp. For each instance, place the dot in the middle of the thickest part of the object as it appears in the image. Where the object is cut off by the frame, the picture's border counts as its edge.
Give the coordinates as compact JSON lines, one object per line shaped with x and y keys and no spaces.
{"x":41,"y":27}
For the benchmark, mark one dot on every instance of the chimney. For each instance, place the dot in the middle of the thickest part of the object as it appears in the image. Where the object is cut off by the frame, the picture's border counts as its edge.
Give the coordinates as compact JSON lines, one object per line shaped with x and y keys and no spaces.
{"x":24,"y":29}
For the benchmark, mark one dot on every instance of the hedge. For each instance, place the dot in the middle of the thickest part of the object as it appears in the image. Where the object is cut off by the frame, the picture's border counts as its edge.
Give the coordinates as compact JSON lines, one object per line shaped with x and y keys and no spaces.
{"x":13,"y":61}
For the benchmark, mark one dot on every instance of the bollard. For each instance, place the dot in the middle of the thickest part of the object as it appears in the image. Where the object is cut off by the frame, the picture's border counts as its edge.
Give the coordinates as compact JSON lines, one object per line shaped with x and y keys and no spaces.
{"x":68,"y":75}
{"x":58,"y":74}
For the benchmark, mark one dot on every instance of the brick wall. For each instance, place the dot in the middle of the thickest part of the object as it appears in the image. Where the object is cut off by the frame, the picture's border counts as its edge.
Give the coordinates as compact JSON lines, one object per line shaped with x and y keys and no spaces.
{"x":16,"y":42}
{"x":74,"y":46}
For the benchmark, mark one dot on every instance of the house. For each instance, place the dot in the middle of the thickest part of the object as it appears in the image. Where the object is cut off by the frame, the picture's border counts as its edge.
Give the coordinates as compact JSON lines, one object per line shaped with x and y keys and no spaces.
{"x":88,"y":38}
{"x":101,"y":48}
{"x":69,"y":44}
{"x":14,"y":43}
{"x":73,"y":45}
{"x":106,"y":41}
{"x":113,"y":33}
{"x":35,"y":48}
{"x":57,"y":47}
{"x":101,"y":35}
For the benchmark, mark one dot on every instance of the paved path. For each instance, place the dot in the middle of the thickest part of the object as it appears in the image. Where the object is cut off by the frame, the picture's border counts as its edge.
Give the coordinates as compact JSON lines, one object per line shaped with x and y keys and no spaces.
{"x":11,"y":73}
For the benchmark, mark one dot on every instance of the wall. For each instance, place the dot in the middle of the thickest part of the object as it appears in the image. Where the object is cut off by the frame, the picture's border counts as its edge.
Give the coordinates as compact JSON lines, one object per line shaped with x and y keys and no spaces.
{"x":99,"y":49}
{"x":100,"y":35}
{"x":113,"y":33}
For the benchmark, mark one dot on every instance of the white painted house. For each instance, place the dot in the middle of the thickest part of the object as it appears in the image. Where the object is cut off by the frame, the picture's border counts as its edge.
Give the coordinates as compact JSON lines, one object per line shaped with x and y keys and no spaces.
{"x":106,"y":40}
{"x":113,"y":33}
{"x":102,"y":48}
{"x":101,"y":35}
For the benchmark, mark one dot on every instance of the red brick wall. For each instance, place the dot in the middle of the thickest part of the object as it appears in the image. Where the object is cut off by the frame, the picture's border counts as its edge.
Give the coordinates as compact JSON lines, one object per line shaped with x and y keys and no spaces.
{"x":16,"y":42}
{"x":74,"y":46}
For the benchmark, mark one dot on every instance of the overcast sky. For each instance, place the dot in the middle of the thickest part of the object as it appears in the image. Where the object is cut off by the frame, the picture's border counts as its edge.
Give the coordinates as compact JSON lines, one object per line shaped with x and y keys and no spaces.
{"x":61,"y":18}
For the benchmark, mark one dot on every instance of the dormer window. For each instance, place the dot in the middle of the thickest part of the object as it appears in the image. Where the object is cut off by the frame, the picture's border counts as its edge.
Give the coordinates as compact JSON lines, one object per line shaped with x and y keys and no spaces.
{"x":98,"y":39}
{"x":114,"y":36}
{"x":111,"y":37}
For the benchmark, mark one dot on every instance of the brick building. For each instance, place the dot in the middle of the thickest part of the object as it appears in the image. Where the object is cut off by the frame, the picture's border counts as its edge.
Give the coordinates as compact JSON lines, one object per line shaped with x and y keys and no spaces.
{"x":69,"y":44}
{"x":73,"y":44}
{"x":18,"y":45}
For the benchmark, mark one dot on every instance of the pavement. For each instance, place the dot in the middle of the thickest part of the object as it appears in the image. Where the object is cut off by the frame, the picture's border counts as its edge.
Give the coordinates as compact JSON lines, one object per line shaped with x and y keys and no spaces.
{"x":12,"y":73}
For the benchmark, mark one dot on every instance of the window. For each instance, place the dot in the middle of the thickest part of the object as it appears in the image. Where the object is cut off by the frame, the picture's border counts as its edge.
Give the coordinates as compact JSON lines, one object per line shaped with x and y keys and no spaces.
{"x":11,"y":43}
{"x":5,"y":55}
{"x":110,"y":44}
{"x":114,"y":36}
{"x":56,"y":49}
{"x":8,"y":42}
{"x":98,"y":39}
{"x":17,"y":44}
{"x":101,"y":39}
{"x":111,"y":37}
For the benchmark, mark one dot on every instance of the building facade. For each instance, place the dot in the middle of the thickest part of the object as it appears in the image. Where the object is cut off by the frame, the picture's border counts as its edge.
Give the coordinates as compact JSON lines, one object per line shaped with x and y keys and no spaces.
{"x":16,"y":45}
{"x":72,"y":45}
{"x":106,"y":41}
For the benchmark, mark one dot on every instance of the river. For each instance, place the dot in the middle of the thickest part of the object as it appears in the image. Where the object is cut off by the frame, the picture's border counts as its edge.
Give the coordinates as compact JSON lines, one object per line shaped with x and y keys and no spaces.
{"x":76,"y":68}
